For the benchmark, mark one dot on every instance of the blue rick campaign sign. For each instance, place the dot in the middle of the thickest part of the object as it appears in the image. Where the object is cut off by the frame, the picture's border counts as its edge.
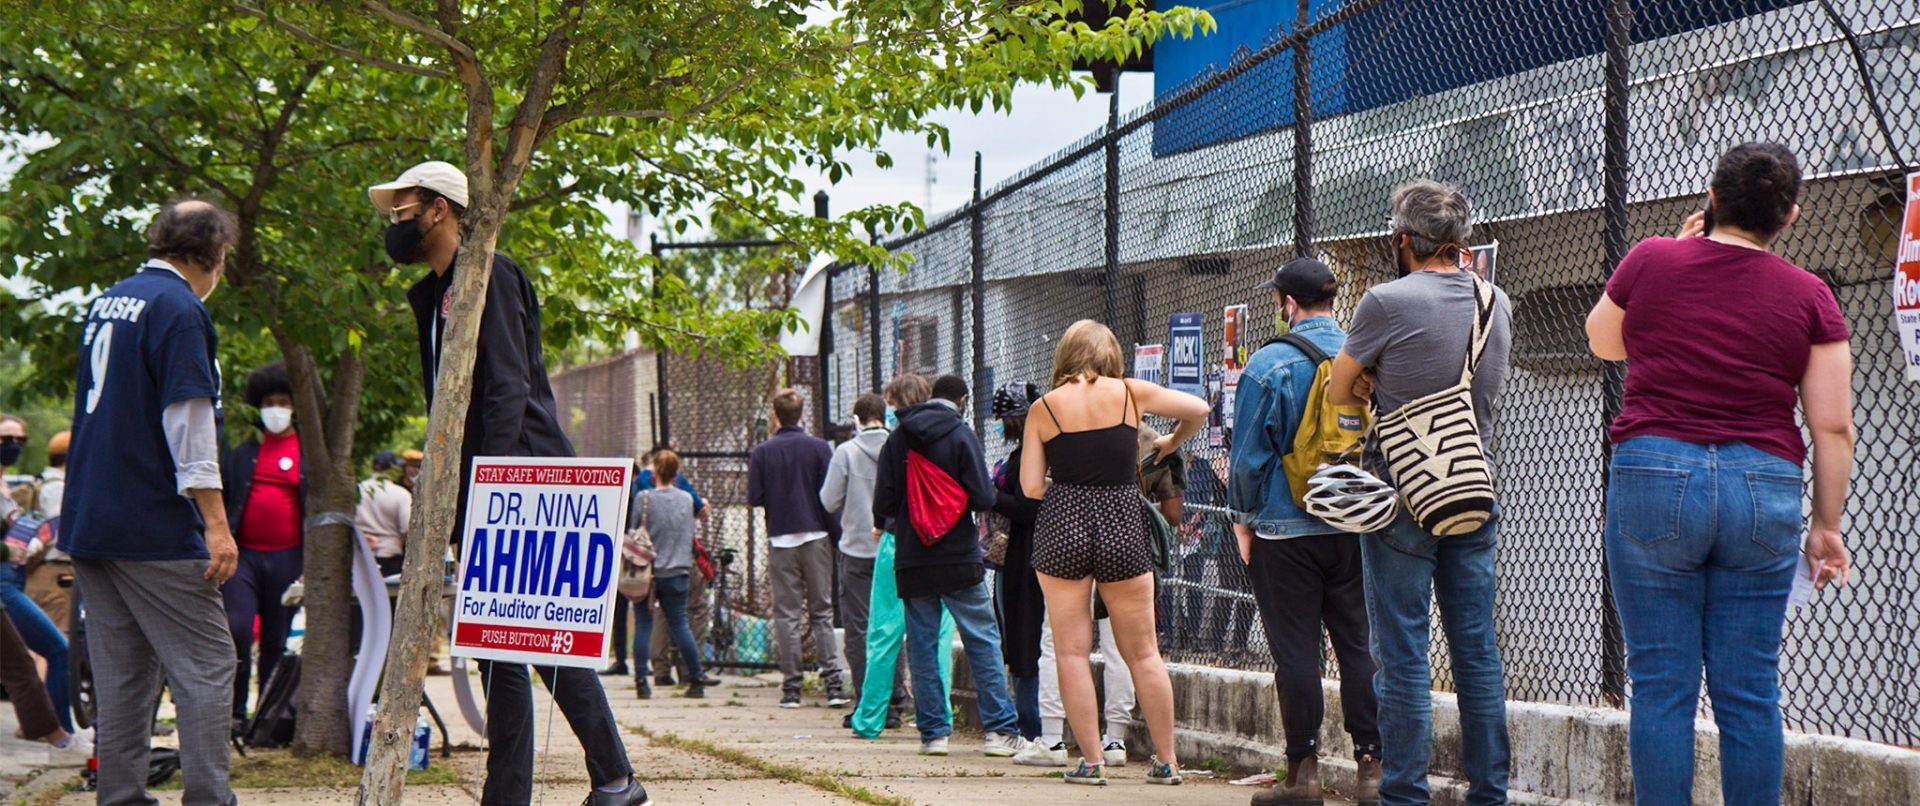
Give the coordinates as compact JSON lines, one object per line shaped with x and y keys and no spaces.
{"x":539,"y":559}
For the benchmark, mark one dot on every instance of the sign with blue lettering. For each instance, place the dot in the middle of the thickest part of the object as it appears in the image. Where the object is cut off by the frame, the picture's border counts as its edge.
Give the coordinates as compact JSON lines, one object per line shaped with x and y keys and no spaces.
{"x":1184,"y":334}
{"x":539,"y":560}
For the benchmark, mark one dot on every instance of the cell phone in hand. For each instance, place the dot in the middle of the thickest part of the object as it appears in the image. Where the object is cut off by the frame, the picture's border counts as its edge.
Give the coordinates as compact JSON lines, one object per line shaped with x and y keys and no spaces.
{"x":1706,"y":224}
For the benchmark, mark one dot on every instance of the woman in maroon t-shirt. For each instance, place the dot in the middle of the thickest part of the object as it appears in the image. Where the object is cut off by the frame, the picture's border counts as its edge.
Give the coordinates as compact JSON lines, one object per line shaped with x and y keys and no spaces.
{"x":1722,"y":338}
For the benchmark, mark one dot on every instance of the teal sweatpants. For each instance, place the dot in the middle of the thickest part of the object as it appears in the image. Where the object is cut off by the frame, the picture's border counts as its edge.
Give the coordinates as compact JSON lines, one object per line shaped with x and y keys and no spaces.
{"x":886,"y":632}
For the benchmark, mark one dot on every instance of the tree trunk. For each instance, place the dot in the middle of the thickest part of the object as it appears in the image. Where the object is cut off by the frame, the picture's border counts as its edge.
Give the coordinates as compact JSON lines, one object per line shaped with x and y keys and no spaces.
{"x":433,"y":517}
{"x":493,"y":185}
{"x":326,"y":451}
{"x":327,"y":653}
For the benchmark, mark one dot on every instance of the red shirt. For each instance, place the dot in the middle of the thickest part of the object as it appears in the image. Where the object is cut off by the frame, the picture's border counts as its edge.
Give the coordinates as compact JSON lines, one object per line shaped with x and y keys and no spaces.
{"x":271,"y":520}
{"x":1717,"y":341}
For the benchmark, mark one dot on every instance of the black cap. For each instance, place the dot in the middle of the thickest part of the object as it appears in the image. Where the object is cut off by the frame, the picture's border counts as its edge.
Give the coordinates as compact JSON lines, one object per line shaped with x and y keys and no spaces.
{"x":1303,"y":278}
{"x":384,"y":460}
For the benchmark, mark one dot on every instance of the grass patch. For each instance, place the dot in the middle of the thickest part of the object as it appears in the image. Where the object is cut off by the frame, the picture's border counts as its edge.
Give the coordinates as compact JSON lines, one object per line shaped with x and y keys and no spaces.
{"x":281,"y":769}
{"x":785,"y":772}
{"x":1216,"y":765}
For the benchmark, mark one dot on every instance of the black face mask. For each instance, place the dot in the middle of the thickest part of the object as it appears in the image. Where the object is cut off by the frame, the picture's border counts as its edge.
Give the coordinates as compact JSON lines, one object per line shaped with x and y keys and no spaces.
{"x":403,"y":241}
{"x":10,"y":453}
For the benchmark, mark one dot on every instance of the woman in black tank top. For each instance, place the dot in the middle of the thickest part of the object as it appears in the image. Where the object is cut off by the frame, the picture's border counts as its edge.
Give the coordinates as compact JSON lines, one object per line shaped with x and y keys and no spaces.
{"x":1092,"y":528}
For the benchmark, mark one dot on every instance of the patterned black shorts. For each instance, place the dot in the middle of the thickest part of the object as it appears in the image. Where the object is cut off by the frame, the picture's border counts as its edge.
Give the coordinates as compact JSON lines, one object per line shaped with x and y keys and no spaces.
{"x":1092,"y":531}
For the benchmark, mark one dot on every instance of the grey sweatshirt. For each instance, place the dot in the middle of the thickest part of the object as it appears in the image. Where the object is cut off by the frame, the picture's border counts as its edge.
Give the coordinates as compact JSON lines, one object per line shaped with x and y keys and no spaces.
{"x":849,"y":491}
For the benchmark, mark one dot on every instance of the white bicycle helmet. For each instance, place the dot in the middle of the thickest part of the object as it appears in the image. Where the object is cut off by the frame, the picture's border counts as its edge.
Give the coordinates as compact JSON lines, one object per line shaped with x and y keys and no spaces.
{"x":1350,"y":499}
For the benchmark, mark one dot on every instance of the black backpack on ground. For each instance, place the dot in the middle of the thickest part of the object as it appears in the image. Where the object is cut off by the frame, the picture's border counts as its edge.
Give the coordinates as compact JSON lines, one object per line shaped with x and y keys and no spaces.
{"x":272,"y":723}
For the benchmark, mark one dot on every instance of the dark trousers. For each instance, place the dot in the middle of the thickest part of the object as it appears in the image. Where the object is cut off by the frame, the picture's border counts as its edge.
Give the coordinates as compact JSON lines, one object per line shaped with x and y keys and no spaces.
{"x":510,"y":728}
{"x":1299,"y":584}
{"x":620,"y":609}
{"x":31,"y":706}
{"x":258,"y":582}
{"x":856,"y":608}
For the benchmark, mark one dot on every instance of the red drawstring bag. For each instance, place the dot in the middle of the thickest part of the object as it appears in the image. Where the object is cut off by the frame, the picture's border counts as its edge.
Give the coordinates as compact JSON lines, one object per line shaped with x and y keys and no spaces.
{"x":935,"y":501}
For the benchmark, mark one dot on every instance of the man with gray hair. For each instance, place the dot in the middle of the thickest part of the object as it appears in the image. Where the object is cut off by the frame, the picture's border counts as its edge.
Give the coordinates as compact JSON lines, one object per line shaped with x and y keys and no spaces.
{"x":143,"y":517}
{"x":1413,"y":334}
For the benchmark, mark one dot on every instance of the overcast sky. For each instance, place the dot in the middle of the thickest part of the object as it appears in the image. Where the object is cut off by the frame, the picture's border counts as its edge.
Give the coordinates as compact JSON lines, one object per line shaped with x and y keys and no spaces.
{"x":1042,"y":122}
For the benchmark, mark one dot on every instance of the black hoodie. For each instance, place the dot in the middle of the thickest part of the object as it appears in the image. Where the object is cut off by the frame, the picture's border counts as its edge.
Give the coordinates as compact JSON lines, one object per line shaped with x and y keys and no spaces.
{"x":936,"y":431}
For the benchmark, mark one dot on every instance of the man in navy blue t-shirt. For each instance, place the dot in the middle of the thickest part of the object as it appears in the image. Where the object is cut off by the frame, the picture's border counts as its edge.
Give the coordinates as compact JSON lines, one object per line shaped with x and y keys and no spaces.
{"x":512,"y":413}
{"x":142,"y":515}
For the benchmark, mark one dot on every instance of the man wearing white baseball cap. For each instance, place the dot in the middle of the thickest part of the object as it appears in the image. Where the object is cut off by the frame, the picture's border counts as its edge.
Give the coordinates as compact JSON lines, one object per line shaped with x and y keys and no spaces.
{"x":512,"y":414}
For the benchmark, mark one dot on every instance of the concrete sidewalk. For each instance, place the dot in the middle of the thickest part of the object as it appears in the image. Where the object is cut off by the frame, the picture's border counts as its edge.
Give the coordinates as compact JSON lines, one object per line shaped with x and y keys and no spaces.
{"x":744,"y":716}
{"x":681,"y":750}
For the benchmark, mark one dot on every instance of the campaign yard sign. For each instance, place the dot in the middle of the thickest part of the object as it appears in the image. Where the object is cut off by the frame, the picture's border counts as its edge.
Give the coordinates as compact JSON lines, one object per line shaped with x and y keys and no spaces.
{"x":1906,"y":280}
{"x":539,"y":558}
{"x":1184,"y":334}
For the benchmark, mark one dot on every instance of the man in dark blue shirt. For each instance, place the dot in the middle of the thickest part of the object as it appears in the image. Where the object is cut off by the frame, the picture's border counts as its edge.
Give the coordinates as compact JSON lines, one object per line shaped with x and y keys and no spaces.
{"x":142,"y":515}
{"x":512,"y":414}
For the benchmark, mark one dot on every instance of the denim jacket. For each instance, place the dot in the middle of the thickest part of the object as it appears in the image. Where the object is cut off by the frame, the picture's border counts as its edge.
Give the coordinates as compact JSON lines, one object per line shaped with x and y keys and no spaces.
{"x":1266,"y":413}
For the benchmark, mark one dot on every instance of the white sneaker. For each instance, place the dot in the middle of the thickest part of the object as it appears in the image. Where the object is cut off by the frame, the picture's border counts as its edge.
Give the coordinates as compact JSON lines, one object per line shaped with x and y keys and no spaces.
{"x":78,"y":751}
{"x":1003,"y":745}
{"x":934,"y":747}
{"x":1115,"y":753}
{"x":1036,"y":754}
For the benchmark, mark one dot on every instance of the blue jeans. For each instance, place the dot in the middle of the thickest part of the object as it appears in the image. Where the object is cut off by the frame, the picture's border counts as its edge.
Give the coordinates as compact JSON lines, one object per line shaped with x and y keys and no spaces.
{"x":972,"y":609}
{"x":41,"y":636}
{"x":1702,"y":541}
{"x":672,"y":593}
{"x":1406,"y":568}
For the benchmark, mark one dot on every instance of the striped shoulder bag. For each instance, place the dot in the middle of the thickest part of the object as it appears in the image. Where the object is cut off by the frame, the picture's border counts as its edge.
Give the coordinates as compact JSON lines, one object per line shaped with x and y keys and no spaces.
{"x":1432,"y":445}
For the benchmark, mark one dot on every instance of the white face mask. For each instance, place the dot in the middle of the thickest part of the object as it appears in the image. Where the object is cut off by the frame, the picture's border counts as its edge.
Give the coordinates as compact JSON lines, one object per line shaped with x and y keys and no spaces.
{"x":276,"y":418}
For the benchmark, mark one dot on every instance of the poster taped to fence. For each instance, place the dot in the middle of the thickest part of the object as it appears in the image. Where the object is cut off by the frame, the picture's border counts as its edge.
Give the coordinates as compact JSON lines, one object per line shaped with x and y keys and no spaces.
{"x":1480,"y":259}
{"x":1146,"y":363}
{"x":1216,"y":410}
{"x":1234,"y":359}
{"x":1185,"y":332}
{"x":539,"y":556}
{"x":1906,"y":280}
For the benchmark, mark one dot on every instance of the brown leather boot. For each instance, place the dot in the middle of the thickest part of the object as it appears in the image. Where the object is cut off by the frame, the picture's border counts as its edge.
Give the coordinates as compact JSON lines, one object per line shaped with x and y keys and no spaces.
{"x":1301,"y":786}
{"x":1367,"y":782}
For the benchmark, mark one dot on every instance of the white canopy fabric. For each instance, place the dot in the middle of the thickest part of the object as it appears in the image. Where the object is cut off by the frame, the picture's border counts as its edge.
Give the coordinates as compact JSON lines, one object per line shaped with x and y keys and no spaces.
{"x":810,"y":299}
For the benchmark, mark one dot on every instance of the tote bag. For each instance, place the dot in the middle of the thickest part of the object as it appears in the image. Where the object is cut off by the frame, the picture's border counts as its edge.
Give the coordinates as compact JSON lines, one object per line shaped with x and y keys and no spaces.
{"x":1433,"y":447}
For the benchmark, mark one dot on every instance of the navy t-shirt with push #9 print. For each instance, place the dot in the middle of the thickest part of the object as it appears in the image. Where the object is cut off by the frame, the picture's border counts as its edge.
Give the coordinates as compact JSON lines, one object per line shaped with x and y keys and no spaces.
{"x":147,"y":344}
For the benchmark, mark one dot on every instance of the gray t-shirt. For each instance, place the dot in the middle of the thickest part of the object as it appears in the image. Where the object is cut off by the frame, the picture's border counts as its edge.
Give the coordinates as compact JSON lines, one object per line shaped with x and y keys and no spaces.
{"x":670,"y":524}
{"x":1414,"y":333}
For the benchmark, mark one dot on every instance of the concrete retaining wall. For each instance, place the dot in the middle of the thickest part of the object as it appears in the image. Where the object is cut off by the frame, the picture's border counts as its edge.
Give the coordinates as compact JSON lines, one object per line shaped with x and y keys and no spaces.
{"x":1561,"y":754}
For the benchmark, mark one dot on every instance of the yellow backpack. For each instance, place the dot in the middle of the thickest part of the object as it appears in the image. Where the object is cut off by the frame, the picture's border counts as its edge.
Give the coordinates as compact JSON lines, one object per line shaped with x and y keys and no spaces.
{"x":1327,"y":433}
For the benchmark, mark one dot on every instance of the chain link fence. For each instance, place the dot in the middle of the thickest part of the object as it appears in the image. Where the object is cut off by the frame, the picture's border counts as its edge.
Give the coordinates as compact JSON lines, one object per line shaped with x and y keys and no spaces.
{"x":1577,"y":127}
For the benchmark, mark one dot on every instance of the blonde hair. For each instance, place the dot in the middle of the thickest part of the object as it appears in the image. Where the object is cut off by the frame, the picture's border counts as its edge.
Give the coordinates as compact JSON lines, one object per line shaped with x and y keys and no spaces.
{"x":1087,"y":352}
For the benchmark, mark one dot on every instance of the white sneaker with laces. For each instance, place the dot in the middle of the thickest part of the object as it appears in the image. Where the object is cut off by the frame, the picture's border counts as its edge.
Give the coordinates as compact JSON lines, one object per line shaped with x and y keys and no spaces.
{"x":1003,"y":745}
{"x":1036,"y":754}
{"x":934,"y":747}
{"x":1115,"y":753}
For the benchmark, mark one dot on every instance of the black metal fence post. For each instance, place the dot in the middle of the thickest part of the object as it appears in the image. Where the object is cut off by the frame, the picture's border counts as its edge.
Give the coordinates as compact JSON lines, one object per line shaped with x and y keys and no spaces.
{"x":824,"y":406}
{"x":977,"y":255}
{"x":1302,"y":136}
{"x":1111,"y":280}
{"x":873,"y":323}
{"x":660,"y":356}
{"x":1615,"y":177}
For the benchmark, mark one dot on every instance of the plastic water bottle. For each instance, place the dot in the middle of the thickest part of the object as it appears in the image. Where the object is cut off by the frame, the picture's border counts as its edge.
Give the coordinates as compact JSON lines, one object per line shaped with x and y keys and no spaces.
{"x":422,"y":740}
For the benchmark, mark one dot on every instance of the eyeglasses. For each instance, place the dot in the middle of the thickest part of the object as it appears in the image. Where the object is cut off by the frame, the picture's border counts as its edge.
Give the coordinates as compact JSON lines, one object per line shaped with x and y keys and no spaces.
{"x":21,"y":440}
{"x":393,"y":216}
